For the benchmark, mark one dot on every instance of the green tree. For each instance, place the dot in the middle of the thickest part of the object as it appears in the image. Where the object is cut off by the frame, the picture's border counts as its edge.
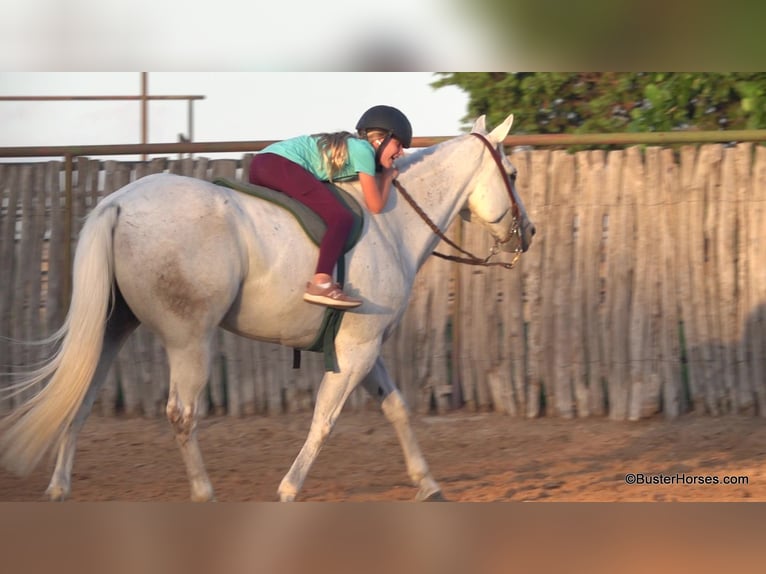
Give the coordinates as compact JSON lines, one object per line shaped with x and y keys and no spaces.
{"x":603,"y":102}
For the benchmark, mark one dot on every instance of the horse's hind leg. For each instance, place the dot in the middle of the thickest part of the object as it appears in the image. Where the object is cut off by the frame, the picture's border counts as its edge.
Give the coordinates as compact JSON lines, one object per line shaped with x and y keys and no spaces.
{"x":120,"y":325}
{"x":379,"y":384}
{"x":189,"y":371}
{"x":60,"y":484}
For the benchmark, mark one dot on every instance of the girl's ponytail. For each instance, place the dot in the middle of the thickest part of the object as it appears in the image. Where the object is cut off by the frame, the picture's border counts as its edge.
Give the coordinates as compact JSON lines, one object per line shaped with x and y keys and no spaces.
{"x":334,"y":150}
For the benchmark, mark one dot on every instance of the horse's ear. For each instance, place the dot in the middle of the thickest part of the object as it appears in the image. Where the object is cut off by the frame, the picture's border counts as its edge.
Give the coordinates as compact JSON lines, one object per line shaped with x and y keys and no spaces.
{"x":480,"y":125}
{"x":499,"y":133}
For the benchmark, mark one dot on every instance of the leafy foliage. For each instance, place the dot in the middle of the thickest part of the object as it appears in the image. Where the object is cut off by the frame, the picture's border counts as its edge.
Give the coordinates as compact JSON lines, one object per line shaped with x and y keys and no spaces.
{"x":604,"y":102}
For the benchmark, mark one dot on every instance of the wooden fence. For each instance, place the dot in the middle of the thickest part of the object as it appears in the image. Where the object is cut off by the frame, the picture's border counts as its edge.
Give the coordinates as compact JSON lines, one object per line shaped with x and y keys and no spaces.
{"x":644,"y":292}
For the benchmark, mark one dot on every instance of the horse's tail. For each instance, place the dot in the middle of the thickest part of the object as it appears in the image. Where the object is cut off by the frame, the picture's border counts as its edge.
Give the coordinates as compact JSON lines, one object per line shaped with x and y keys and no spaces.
{"x":39,"y":423}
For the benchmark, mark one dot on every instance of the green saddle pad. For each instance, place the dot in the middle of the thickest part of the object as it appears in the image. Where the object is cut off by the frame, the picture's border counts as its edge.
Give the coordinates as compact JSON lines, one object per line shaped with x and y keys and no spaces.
{"x":315,"y":228}
{"x":311,"y":223}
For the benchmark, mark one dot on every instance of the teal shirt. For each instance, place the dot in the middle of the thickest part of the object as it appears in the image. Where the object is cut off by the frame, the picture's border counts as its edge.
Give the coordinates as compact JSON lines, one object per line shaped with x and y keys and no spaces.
{"x":304,"y":151}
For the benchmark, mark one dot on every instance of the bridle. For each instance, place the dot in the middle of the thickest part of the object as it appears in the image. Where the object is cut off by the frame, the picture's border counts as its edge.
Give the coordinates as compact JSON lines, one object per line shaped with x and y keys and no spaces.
{"x":472,"y":259}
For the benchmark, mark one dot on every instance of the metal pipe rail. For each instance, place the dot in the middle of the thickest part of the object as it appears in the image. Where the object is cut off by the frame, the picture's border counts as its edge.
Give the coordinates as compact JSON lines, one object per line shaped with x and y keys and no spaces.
{"x":652,"y":138}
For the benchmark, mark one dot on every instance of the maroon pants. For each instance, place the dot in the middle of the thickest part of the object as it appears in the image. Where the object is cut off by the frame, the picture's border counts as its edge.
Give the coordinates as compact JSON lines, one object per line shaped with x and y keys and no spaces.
{"x":275,"y":172}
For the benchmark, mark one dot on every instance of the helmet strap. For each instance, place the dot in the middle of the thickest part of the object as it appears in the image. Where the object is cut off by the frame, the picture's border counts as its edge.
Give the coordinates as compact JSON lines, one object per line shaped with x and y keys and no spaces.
{"x":379,"y":151}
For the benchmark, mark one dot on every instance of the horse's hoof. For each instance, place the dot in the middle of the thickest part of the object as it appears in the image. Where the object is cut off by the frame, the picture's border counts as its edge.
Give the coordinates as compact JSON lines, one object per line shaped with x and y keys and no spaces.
{"x":203,"y":494}
{"x":435,"y":497}
{"x":57,"y":493}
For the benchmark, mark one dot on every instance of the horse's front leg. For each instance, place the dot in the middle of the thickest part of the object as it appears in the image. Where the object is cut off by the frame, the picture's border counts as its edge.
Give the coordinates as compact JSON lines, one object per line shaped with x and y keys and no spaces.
{"x":333,"y":392}
{"x":379,"y":384}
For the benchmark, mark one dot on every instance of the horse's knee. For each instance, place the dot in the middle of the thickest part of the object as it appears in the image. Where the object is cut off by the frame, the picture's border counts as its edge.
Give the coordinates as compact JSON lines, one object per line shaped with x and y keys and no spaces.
{"x":173,"y":411}
{"x":182,"y":420}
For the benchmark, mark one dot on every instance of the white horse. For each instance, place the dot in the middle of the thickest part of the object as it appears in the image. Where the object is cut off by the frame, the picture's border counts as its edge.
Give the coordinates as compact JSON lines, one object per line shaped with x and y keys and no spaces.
{"x":184,"y":256}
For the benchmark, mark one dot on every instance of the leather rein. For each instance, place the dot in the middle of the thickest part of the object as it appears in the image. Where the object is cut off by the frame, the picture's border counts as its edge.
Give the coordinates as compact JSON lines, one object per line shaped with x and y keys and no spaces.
{"x":470,"y":258}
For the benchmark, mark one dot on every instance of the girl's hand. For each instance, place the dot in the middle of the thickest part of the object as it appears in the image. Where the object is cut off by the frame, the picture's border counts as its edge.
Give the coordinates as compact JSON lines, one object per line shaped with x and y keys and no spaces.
{"x":391,"y":172}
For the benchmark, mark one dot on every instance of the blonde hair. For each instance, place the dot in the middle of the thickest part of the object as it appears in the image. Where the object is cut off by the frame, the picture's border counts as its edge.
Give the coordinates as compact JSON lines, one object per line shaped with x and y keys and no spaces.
{"x":373,"y":134}
{"x":333,"y":147}
{"x":334,"y":150}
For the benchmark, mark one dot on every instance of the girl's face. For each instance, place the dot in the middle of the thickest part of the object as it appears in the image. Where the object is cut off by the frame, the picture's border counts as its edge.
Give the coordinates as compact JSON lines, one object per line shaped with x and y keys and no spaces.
{"x":392,"y":151}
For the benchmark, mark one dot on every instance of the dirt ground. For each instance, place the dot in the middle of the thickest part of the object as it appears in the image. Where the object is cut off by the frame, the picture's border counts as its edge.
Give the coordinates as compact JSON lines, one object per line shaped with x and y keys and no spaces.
{"x":475,"y":457}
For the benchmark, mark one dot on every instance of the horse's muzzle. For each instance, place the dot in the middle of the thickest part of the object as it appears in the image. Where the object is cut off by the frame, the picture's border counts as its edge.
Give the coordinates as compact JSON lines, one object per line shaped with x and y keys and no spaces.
{"x":523,"y":229}
{"x":527,"y":233}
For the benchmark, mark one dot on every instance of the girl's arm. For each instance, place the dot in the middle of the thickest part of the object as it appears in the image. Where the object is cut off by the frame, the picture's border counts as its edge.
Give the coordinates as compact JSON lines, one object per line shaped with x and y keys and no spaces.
{"x":376,"y":188}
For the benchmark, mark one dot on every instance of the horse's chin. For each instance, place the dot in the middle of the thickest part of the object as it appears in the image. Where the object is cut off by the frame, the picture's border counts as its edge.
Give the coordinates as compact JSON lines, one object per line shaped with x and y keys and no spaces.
{"x":512,"y":244}
{"x":515,"y":240}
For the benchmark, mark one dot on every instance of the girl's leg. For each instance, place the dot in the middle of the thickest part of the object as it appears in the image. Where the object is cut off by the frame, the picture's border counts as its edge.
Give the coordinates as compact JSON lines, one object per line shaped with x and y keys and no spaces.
{"x":275,"y":172}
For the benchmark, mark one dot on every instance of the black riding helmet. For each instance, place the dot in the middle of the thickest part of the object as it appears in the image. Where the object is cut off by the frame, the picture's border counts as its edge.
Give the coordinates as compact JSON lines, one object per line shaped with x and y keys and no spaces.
{"x":389,"y":119}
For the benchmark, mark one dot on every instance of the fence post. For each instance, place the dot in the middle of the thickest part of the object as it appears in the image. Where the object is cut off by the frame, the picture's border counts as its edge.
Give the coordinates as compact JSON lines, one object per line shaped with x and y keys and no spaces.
{"x":456,"y":398}
{"x":66,"y":275}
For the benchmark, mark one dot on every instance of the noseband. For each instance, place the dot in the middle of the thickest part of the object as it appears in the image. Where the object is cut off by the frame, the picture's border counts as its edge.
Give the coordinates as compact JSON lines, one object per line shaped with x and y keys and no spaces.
{"x":472,"y":259}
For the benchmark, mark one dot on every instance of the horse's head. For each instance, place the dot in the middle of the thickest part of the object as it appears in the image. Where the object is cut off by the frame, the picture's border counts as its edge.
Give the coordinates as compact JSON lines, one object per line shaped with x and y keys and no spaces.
{"x":494,"y":202}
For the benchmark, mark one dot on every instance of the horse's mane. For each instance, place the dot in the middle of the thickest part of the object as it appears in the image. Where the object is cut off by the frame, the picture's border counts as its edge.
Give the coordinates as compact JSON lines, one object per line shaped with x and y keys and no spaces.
{"x":415,"y":157}
{"x":410,"y":160}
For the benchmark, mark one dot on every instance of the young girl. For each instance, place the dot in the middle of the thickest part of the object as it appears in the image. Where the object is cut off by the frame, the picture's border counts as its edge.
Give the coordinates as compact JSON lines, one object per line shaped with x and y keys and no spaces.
{"x":299,"y":165}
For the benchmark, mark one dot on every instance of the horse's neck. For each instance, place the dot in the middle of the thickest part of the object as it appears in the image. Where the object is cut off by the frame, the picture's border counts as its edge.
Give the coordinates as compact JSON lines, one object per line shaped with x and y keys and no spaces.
{"x":438,"y":181}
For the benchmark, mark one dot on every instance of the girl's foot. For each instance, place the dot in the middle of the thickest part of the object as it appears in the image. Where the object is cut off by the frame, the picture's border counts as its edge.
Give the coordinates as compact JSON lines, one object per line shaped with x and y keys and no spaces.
{"x":330,"y":295}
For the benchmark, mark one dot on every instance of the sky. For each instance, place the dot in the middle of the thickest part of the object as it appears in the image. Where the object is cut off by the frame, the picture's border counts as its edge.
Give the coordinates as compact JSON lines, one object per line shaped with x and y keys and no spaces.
{"x":337,"y":35}
{"x":230,"y":35}
{"x":237,"y":106}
